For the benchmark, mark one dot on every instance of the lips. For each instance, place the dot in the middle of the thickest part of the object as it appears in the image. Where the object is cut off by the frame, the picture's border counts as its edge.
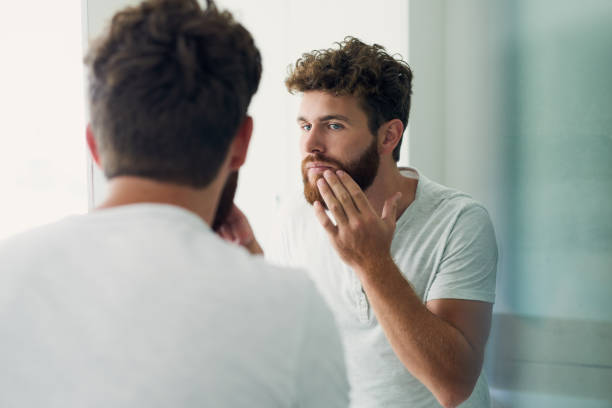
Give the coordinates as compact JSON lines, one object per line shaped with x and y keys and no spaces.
{"x":319,"y":166}
{"x":318,"y":170}
{"x":315,"y":165}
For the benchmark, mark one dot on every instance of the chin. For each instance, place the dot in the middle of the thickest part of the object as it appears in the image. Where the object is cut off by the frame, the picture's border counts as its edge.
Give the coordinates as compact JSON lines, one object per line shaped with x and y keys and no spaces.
{"x":312,"y":180}
{"x":311,"y":194}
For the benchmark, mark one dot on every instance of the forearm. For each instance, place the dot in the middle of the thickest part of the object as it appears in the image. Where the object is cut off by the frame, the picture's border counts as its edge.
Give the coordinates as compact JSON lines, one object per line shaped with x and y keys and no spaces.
{"x":434,"y":351}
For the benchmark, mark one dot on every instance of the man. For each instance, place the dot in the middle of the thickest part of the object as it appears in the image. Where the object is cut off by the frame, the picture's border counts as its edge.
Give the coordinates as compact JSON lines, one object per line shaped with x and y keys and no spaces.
{"x":140,"y":303}
{"x":407,"y":265}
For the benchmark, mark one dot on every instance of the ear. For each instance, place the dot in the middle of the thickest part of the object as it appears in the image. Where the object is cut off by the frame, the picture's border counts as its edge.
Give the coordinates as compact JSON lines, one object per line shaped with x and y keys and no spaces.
{"x":93,"y":146}
{"x":389,"y":134}
{"x":240,"y":144}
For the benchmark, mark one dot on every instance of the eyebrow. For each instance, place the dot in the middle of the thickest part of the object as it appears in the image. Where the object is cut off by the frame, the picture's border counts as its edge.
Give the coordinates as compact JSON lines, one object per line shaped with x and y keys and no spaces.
{"x":326,"y":118}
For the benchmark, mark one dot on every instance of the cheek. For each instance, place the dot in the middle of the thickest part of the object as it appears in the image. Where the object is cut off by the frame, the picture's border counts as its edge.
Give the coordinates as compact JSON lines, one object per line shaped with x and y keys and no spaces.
{"x":347,"y":152}
{"x":302,"y":145}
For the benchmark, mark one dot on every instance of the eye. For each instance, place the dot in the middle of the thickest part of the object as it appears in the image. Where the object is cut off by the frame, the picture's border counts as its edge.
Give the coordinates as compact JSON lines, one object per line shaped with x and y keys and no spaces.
{"x":335,"y":126}
{"x":306,"y":127}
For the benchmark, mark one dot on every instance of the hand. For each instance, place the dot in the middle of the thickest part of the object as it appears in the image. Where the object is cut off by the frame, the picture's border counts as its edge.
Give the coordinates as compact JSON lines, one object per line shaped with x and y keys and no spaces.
{"x":237,"y":229}
{"x":361,"y":237}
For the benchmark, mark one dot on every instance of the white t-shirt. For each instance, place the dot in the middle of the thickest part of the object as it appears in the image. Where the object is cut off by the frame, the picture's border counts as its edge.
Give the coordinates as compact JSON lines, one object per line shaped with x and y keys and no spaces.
{"x":144,"y":306}
{"x":444,"y":244}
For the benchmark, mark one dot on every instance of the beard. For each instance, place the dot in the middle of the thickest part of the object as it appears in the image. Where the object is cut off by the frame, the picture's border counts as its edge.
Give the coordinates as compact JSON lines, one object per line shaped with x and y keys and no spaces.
{"x":363,"y":170}
{"x":226,"y":201}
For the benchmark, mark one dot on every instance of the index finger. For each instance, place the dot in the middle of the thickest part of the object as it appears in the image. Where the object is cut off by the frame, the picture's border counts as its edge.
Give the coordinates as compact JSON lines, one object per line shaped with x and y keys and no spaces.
{"x":359,"y":197}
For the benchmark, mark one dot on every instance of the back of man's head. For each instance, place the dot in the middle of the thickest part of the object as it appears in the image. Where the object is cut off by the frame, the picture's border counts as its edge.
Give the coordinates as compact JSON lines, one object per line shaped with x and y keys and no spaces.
{"x":169,"y":86}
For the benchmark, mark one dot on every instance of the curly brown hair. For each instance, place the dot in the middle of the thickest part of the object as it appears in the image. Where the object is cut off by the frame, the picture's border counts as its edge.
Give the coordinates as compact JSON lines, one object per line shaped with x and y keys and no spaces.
{"x":382,"y":82}
{"x":169,"y":86}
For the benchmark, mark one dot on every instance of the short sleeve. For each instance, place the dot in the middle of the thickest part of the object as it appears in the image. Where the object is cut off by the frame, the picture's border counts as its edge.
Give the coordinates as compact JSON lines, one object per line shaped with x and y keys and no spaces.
{"x":468,"y":266}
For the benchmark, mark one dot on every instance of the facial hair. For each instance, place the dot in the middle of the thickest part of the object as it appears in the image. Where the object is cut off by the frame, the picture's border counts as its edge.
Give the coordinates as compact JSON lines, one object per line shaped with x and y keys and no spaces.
{"x":226,"y":201}
{"x":363,"y":170}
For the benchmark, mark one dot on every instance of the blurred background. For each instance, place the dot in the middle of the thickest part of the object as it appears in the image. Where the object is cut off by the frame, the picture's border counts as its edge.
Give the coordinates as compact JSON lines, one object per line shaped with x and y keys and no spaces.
{"x":512,"y":103}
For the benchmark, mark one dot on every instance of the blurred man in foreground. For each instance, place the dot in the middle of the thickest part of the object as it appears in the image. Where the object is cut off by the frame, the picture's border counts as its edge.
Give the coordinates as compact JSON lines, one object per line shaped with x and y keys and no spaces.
{"x":140,"y":303}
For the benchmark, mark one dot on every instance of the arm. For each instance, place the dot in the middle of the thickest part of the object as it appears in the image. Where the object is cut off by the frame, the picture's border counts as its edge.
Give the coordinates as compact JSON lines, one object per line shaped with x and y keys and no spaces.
{"x":441,"y":343}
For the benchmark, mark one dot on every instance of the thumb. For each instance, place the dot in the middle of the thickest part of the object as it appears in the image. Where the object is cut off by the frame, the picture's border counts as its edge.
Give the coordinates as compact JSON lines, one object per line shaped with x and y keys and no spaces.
{"x":389,"y":212}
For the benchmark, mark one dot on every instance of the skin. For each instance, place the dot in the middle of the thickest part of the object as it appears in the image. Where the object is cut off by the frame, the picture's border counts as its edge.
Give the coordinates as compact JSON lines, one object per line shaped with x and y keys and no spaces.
{"x":440,"y":342}
{"x":238,"y":230}
{"x":126,"y":190}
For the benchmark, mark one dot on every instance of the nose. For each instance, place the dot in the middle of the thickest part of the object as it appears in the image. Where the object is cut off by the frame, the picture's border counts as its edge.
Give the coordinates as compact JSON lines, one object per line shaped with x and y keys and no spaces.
{"x":313,"y":140}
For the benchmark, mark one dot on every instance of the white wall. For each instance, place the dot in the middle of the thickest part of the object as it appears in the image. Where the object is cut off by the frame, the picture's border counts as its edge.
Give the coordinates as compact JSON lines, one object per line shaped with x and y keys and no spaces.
{"x":42,"y":144}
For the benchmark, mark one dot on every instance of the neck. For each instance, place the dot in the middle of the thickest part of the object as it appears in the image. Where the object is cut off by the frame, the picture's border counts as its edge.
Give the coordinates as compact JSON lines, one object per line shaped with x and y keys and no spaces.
{"x":126,"y":190}
{"x":389,"y":181}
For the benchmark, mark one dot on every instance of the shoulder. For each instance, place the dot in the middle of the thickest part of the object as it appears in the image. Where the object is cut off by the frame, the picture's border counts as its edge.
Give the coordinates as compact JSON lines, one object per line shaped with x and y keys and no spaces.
{"x":26,"y":256}
{"x":288,"y":287}
{"x":460,"y":220}
{"x":445,"y":201}
{"x":44,"y":237}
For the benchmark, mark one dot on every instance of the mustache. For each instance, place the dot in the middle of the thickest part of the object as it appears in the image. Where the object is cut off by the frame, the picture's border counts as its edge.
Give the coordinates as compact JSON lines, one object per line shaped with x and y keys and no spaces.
{"x":318,"y":157}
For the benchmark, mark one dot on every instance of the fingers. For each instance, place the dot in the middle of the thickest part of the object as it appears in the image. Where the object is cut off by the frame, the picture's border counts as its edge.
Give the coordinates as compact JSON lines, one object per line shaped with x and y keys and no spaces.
{"x":389,"y":211}
{"x":341,"y":194}
{"x":334,"y":206}
{"x":323,"y":219}
{"x":359,"y":198}
{"x":226,"y":233}
{"x":243,"y":233}
{"x":236,"y":214}
{"x":241,"y":227}
{"x":237,"y":228}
